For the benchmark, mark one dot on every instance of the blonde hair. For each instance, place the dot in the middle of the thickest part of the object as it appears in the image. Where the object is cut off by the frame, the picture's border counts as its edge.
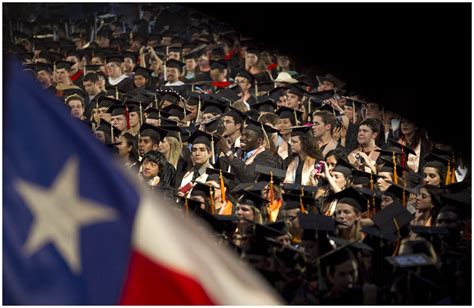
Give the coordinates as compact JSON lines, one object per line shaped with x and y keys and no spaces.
{"x":175,"y":151}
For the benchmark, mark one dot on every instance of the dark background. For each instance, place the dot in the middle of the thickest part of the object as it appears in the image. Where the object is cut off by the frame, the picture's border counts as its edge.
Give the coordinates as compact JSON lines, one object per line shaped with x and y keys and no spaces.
{"x":414,"y":58}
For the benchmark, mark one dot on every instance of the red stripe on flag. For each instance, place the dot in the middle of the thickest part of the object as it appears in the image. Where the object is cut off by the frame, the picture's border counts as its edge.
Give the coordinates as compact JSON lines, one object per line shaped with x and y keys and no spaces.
{"x":149,"y":283}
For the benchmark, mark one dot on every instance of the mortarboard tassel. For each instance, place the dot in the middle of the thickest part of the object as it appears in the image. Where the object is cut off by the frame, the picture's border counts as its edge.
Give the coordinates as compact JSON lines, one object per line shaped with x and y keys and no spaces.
{"x":127,"y":116}
{"x":266,"y":135}
{"x":271,"y":187}
{"x":213,"y":156}
{"x":256,"y":88}
{"x":371,"y":183}
{"x":156,"y":101}
{"x":211,"y":201}
{"x":394,"y":160}
{"x":221,"y":180}
{"x":453,"y":171}
{"x":186,"y":205}
{"x":116,"y":93}
{"x":397,"y":247}
{"x":353,"y":112}
{"x":369,"y":209}
{"x":447,"y":181}
{"x":111,"y":133}
{"x":301,"y":201}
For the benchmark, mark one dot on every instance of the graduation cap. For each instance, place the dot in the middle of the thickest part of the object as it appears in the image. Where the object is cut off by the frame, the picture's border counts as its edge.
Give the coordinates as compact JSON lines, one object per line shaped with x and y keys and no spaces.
{"x":393,"y":218}
{"x":270,"y":230}
{"x":269,"y":173}
{"x":352,"y":197}
{"x":202,"y":189}
{"x":300,"y":131}
{"x":379,"y":233}
{"x":297,"y":201}
{"x":288,"y":113}
{"x":247,"y":75}
{"x":457,"y":187}
{"x":396,"y":169}
{"x":293,"y":89}
{"x":91,"y":68}
{"x":107,"y":102}
{"x":63,"y":65}
{"x":107,"y":128}
{"x":256,"y":125}
{"x":226,"y":96}
{"x":362,"y":177}
{"x":343,"y":167}
{"x":221,"y":177}
{"x":147,"y":130}
{"x":265,"y":104}
{"x":316,"y":222}
{"x":202,"y":137}
{"x":372,"y":196}
{"x":219,"y":65}
{"x":214,"y":108}
{"x":399,"y":192}
{"x":211,"y":126}
{"x":171,"y":130}
{"x":249,"y":198}
{"x":175,"y":110}
{"x":333,"y":79}
{"x":403,"y":148}
{"x":74,"y":91}
{"x":343,"y":242}
{"x":142,"y":71}
{"x":277,"y":92}
{"x":219,"y":223}
{"x":114,"y":58}
{"x":232,"y":111}
{"x":354,"y":104}
{"x":116,"y":110}
{"x":296,"y":189}
{"x":460,"y":200}
{"x":429,"y":232}
{"x":172,"y":63}
{"x":413,"y":260}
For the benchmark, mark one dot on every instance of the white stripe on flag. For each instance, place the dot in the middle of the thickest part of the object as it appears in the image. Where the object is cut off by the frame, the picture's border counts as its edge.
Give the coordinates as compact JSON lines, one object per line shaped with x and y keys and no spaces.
{"x":175,"y":242}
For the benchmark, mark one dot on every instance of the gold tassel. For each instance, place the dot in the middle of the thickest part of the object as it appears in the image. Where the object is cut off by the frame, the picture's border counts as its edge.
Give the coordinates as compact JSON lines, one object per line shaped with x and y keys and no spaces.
{"x":256,"y":89}
{"x":221,"y":179}
{"x":213,"y":157}
{"x":271,"y":187}
{"x":453,"y":170}
{"x":211,"y":201}
{"x":301,"y":201}
{"x":186,"y":205}
{"x":266,"y":136}
{"x":397,"y":247}
{"x":353,"y":112}
{"x":447,"y":181}
{"x":116,"y":93}
{"x":394,"y":160}
{"x":371,"y":183}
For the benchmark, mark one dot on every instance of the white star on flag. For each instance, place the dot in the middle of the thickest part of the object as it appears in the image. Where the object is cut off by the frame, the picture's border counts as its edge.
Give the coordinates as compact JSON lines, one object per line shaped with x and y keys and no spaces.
{"x":59,"y":212}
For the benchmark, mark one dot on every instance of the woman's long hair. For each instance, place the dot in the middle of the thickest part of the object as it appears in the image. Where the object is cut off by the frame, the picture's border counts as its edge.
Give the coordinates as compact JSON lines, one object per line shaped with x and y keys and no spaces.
{"x":175,"y":150}
{"x":132,"y":141}
{"x":309,"y":147}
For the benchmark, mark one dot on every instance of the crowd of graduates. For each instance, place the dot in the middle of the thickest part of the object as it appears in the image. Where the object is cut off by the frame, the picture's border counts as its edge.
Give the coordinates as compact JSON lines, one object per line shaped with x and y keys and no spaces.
{"x":330,"y":196}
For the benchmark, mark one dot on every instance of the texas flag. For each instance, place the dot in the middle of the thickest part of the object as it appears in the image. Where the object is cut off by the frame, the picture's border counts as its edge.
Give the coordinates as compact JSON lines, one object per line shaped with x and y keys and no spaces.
{"x":78,"y":229}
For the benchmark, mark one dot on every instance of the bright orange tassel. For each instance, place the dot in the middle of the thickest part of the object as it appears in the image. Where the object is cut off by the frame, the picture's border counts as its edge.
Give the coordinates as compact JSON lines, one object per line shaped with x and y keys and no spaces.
{"x":448,"y":174}
{"x":394,"y":160}
{"x":221,"y":179}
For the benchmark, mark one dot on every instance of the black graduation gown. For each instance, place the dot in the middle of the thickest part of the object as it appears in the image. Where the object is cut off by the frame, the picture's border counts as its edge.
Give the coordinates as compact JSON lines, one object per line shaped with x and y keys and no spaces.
{"x":246,"y":173}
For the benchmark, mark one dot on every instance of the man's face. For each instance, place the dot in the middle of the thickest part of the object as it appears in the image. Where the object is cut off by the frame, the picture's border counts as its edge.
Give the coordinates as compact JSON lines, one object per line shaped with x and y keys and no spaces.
{"x":134,"y":119}
{"x":251,"y":59}
{"x":128,"y":65}
{"x":382,"y":182}
{"x":203,"y":61}
{"x":229,"y":126}
{"x":113,"y":69}
{"x":386,"y":201}
{"x":174,"y":55}
{"x":91,"y":88}
{"x":292,"y":101}
{"x":249,"y":140}
{"x":190,"y":64}
{"x":119,"y":122}
{"x":96,"y":61}
{"x":319,"y":128}
{"x":217,"y":75}
{"x":44,"y":77}
{"x":62,"y":75}
{"x":372,"y":111}
{"x":243,"y":83}
{"x":172,"y":74}
{"x":365,"y":136}
{"x":146,"y":145}
{"x":448,"y":220}
{"x":207,"y":116}
{"x":77,"y":109}
{"x":200,"y":154}
{"x":100,"y":135}
{"x":344,"y":275}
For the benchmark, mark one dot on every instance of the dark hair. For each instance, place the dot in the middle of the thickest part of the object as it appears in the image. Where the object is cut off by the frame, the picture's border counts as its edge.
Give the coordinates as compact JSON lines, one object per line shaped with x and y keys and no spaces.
{"x":310,"y":147}
{"x":338,"y":153}
{"x":75,"y":97}
{"x":373,"y":124}
{"x":435,"y":193}
{"x":92,"y":77}
{"x":269,"y":117}
{"x":419,"y":136}
{"x":439,"y":166}
{"x":132,"y":141}
{"x":156,"y":157}
{"x":327,"y":117}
